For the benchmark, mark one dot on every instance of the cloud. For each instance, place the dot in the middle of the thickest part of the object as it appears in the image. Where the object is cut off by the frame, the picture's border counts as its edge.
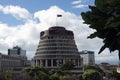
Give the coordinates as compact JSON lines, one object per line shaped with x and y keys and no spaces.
{"x":16,"y":11}
{"x":80,"y":6}
{"x":106,"y":57}
{"x":76,"y":1}
{"x":27,"y":35}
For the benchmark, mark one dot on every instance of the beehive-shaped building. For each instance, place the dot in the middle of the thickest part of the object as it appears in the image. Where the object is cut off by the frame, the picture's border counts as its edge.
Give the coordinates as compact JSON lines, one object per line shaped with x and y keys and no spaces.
{"x":56,"y":46}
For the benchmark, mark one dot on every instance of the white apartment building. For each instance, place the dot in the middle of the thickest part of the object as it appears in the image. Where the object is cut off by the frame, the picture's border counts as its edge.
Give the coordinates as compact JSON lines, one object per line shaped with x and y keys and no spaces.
{"x":88,"y":57}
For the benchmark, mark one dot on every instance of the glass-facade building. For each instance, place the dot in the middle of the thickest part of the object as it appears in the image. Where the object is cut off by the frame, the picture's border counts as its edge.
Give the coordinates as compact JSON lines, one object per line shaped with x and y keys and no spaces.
{"x":17,"y":51}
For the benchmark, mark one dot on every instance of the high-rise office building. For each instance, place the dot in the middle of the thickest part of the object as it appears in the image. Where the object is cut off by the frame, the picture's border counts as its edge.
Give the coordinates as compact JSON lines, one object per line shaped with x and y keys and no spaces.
{"x":16,"y":51}
{"x":56,"y":46}
{"x":88,"y":57}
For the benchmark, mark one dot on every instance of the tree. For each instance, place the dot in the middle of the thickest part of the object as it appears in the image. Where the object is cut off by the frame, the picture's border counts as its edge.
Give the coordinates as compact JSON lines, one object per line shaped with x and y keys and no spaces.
{"x":116,"y":75}
{"x":23,"y":76}
{"x":68,"y":77}
{"x":91,"y":75}
{"x":56,"y":74}
{"x":80,"y":77}
{"x":68,"y":65}
{"x":104,"y":17}
{"x":54,"y":77}
{"x":2,"y":76}
{"x":108,"y":75}
{"x":6,"y":74}
{"x":97,"y":68}
{"x":37,"y":73}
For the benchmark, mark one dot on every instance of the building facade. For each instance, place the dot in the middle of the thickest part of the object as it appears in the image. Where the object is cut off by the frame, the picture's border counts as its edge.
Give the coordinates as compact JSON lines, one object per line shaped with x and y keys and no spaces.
{"x":108,"y":67}
{"x":17,"y":51}
{"x":88,"y":57}
{"x":11,"y":62}
{"x":56,"y":46}
{"x":14,"y":59}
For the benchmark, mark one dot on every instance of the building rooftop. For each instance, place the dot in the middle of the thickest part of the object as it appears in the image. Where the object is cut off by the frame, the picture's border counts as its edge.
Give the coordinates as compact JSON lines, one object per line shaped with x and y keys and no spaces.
{"x":86,"y":52}
{"x":57,"y":28}
{"x":16,"y":47}
{"x":56,"y":31}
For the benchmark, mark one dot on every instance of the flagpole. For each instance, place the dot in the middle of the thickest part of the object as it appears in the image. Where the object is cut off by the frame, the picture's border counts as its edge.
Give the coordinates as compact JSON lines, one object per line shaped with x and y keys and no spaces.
{"x":56,"y":21}
{"x":58,"y":15}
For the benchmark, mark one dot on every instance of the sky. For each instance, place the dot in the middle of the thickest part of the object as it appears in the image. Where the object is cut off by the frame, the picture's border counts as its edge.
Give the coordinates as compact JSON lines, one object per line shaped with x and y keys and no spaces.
{"x":21,"y":22}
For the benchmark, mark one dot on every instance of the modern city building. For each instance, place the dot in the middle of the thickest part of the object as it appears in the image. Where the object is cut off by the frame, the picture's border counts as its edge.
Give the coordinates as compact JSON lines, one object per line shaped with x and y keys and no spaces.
{"x":16,"y":58}
{"x":88,"y":57}
{"x":56,"y":46}
{"x":11,"y":62}
{"x":16,"y":51}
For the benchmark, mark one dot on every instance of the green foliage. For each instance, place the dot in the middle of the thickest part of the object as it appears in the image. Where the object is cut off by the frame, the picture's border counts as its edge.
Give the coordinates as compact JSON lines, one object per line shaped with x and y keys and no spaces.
{"x":101,"y":4}
{"x":80,"y":77}
{"x":68,"y":65}
{"x":6,"y":75}
{"x":54,"y":77}
{"x":104,"y":17}
{"x":2,"y":76}
{"x":109,"y":75}
{"x":23,"y":76}
{"x":59,"y":74}
{"x":116,"y":75}
{"x":91,"y":75}
{"x":97,"y":68}
{"x":37,"y":73}
{"x":68,"y":77}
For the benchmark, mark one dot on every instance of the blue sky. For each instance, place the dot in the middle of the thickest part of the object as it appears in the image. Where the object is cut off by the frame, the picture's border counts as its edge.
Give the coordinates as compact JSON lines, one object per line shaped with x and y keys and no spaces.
{"x":32,"y":6}
{"x":21,"y":21}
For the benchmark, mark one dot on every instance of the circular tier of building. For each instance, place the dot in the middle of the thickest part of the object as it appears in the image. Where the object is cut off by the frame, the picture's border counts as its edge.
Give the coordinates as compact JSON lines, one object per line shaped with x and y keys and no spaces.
{"x":56,"y":47}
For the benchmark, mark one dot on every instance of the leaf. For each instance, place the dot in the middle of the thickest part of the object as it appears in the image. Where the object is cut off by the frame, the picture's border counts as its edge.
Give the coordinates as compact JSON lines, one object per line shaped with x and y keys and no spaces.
{"x":102,"y":48}
{"x":93,"y":35}
{"x":104,"y":17}
{"x":113,"y":2}
{"x":118,"y":41}
{"x":100,"y":3}
{"x":85,"y":17}
{"x":113,"y":25}
{"x":109,"y":21}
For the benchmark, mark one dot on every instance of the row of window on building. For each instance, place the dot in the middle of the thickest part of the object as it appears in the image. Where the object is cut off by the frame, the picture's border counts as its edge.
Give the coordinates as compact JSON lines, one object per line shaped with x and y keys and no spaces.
{"x":57,"y":48}
{"x":57,"y":37}
{"x":58,"y":44}
{"x":58,"y":51}
{"x":16,"y":58}
{"x":54,"y":41}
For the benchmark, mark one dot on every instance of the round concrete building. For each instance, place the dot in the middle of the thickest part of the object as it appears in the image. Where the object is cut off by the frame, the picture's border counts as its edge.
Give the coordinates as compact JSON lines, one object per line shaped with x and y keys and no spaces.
{"x":56,"y":46}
